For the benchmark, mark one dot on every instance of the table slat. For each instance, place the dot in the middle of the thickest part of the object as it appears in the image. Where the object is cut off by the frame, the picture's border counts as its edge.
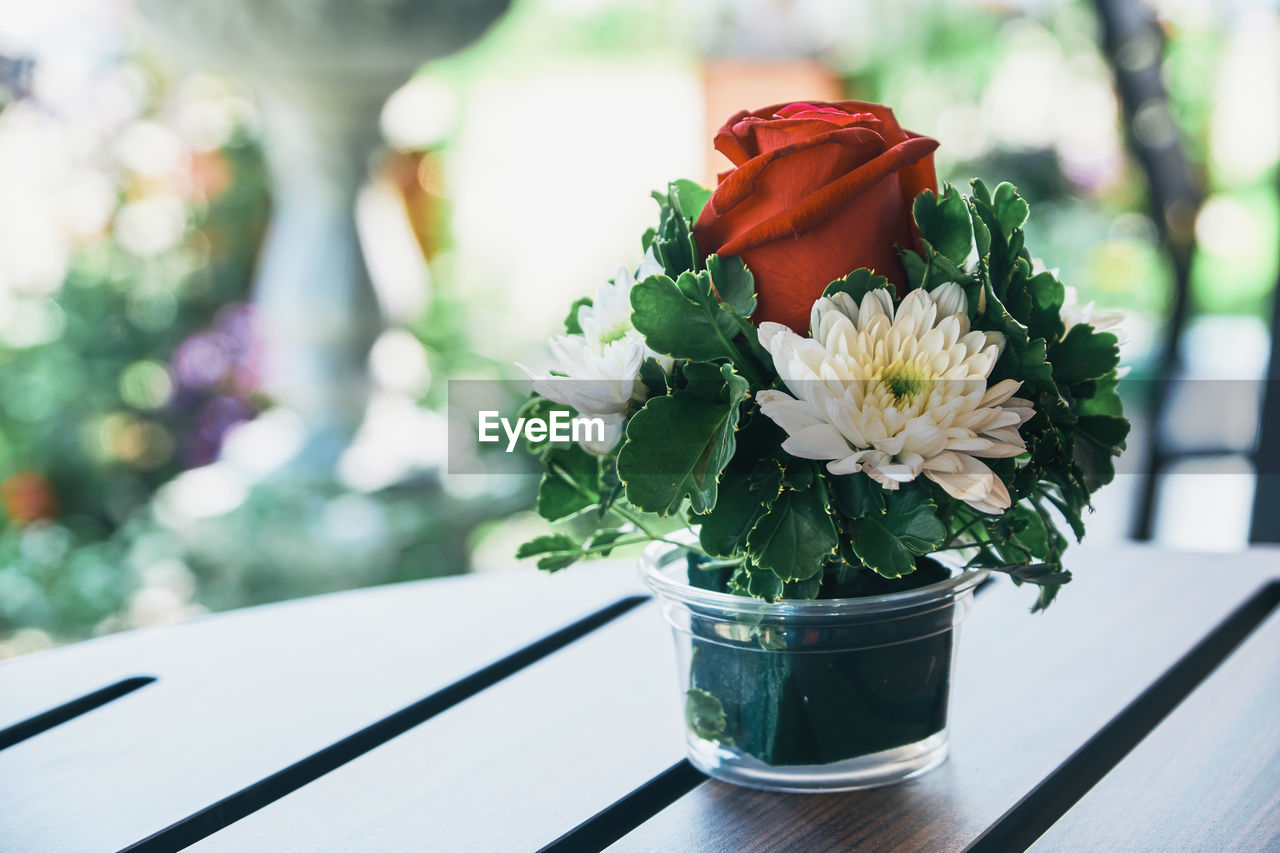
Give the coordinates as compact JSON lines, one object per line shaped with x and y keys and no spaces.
{"x":1207,"y":778}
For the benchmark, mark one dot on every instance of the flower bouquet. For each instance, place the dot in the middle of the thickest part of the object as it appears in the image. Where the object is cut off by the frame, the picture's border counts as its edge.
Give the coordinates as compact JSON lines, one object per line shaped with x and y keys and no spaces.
{"x":862,"y":395}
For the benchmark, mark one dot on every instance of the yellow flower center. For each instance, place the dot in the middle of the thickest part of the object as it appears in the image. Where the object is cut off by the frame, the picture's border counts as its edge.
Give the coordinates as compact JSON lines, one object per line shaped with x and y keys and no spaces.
{"x":617,"y":333}
{"x":904,"y":381}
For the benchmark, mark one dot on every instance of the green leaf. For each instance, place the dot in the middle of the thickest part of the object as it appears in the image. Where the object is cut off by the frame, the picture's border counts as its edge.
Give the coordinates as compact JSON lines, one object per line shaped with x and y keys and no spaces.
{"x":1084,"y":354}
{"x":889,"y":544}
{"x":1011,"y":211}
{"x":1047,"y":295}
{"x":1029,"y":364}
{"x":571,"y":483}
{"x":801,"y":474}
{"x":1034,"y":535}
{"x":701,"y":577}
{"x":571,"y":325}
{"x":803,"y":590}
{"x":879,"y":549}
{"x":910,"y":515}
{"x":998,"y":317}
{"x":765,"y":478}
{"x":857,"y":284}
{"x":678,"y":445}
{"x":980,"y":192}
{"x":1099,"y":438}
{"x":1106,"y":430}
{"x":653,"y":377}
{"x":545,"y":544}
{"x":763,"y":583}
{"x":857,"y":495}
{"x":646,"y":239}
{"x":1002,"y":242}
{"x":672,"y":243}
{"x":724,"y":530}
{"x":688,"y":197}
{"x":1105,"y":399}
{"x":794,"y":536}
{"x":560,"y":551}
{"x":1069,"y":512}
{"x":556,"y":562}
{"x":945,"y":223}
{"x":705,"y":717}
{"x":734,"y":282}
{"x":1049,"y":577}
{"x":981,"y":233}
{"x":705,"y":380}
{"x":677,"y":325}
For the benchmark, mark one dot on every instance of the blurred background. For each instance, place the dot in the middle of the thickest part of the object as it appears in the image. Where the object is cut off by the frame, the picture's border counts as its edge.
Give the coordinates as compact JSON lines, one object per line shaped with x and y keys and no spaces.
{"x":200,"y":410}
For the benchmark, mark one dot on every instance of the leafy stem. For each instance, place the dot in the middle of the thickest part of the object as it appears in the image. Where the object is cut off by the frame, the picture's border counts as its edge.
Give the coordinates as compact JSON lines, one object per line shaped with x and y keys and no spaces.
{"x":953,"y":541}
{"x":616,"y":543}
{"x":638,"y":520}
{"x":568,"y":478}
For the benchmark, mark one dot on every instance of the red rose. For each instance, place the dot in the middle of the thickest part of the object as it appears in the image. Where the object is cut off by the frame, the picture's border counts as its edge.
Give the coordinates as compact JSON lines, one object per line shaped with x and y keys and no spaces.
{"x":817,"y":190}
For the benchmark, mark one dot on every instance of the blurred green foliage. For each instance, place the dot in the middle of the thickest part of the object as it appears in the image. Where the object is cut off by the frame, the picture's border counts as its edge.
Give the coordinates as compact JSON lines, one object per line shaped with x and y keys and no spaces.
{"x":93,"y":414}
{"x":98,"y":410}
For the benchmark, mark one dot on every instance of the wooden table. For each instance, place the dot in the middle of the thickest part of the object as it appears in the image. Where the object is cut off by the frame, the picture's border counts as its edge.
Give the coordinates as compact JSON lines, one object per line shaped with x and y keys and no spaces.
{"x":525,"y":711}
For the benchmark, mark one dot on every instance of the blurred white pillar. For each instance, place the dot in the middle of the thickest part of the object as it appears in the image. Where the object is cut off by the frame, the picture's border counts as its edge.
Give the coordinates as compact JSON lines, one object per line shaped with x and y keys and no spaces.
{"x":316,"y":307}
{"x":323,"y":70}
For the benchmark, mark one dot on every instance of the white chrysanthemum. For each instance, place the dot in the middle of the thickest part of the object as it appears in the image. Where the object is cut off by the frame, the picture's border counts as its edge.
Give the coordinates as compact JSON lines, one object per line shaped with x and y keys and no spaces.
{"x":598,"y":371}
{"x":897,"y":395}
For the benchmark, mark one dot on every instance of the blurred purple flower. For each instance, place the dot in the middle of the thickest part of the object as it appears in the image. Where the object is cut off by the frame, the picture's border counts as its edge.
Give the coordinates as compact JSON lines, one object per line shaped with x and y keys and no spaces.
{"x":237,"y":324}
{"x":201,"y":360}
{"x":220,"y":414}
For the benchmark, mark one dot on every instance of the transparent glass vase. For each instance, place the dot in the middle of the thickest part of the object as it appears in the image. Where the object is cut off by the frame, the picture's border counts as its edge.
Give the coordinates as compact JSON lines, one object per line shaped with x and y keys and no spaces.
{"x":825,"y":695}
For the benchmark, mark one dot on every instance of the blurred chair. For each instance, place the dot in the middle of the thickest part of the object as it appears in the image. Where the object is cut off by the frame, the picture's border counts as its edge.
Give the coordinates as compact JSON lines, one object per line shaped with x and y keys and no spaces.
{"x":1266,"y":497}
{"x":1133,"y":46}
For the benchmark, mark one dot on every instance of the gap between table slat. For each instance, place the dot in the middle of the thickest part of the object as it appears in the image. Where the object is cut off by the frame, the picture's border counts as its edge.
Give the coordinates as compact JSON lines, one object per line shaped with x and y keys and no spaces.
{"x":60,"y":714}
{"x":610,"y":824}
